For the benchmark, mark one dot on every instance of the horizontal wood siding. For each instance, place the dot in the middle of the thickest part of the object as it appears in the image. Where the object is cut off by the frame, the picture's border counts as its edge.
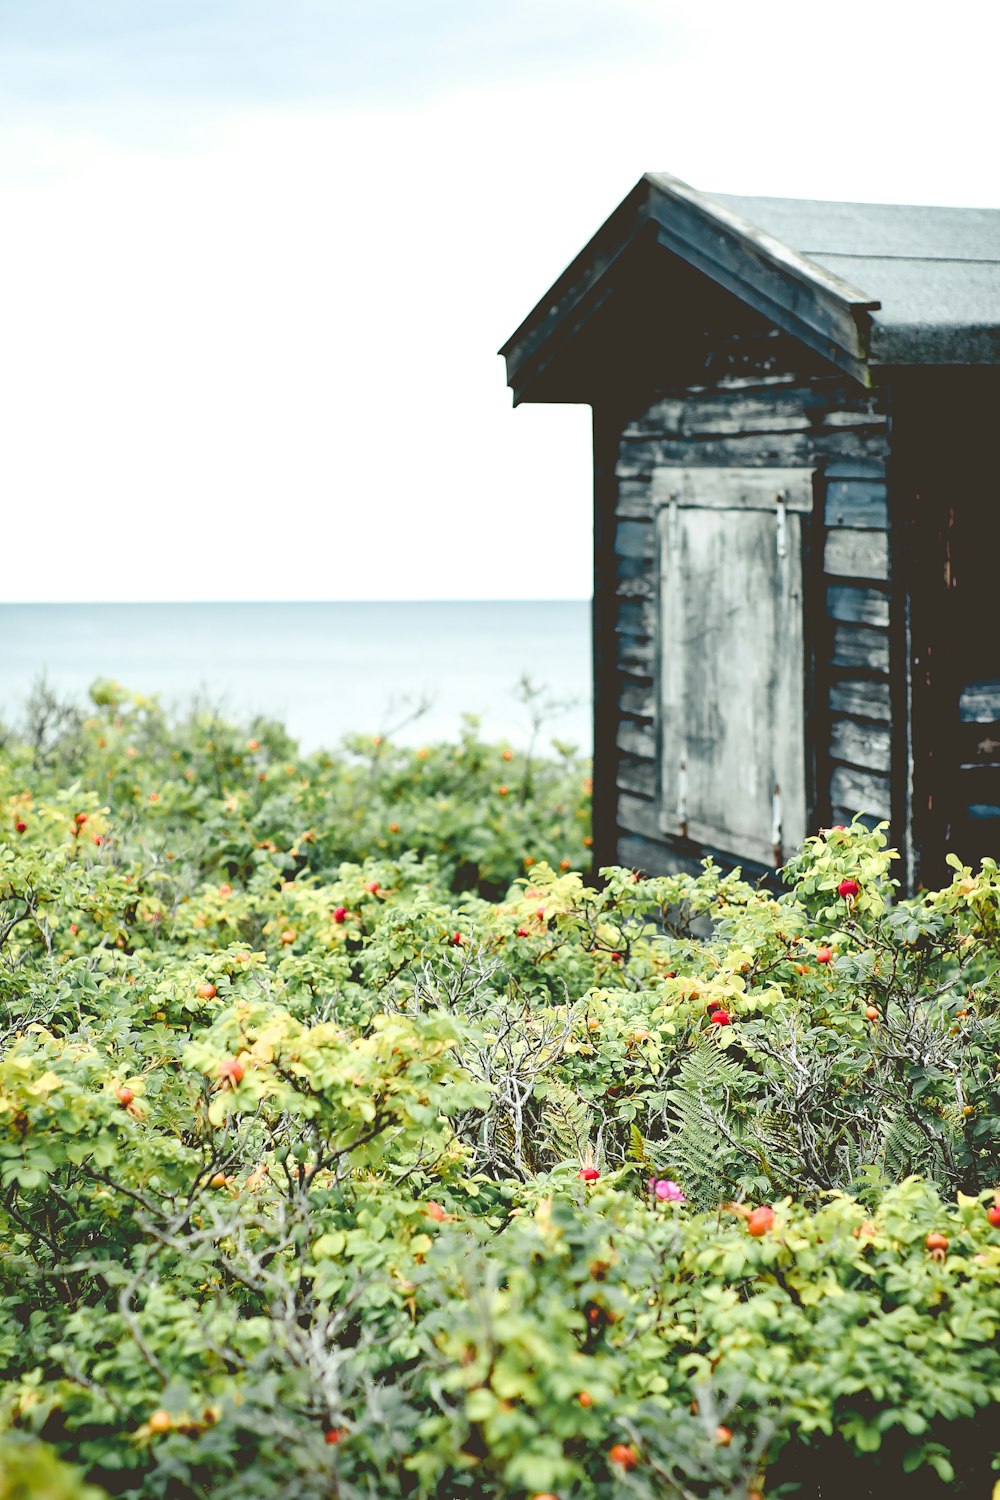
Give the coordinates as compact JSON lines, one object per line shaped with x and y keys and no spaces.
{"x":762,"y":405}
{"x":857,"y":765}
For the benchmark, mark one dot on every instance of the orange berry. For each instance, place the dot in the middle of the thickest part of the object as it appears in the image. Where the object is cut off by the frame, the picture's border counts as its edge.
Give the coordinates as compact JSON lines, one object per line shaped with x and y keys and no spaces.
{"x":206,"y":992}
{"x":160,"y":1420}
{"x":723,"y":1436}
{"x":871,"y":1013}
{"x":760,"y":1220}
{"x":585,"y":1398}
{"x":124,"y":1097}
{"x":288,"y":936}
{"x":230,"y":1070}
{"x":623,"y":1455}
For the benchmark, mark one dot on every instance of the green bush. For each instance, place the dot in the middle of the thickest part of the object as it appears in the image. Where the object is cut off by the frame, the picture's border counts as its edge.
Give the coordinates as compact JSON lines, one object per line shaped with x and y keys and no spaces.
{"x":335,"y":1166}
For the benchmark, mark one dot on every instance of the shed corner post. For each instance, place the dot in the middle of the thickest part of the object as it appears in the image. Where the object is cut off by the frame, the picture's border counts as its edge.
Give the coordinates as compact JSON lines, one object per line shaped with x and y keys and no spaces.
{"x":607,"y":426}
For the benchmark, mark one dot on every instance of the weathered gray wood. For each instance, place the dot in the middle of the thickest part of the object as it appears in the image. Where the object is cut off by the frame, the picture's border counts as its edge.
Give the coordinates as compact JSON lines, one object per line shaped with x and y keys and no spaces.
{"x":636,"y":738}
{"x":636,"y":617}
{"x":638,"y":776}
{"x":734,"y":489}
{"x":979,"y":703}
{"x":692,"y":418}
{"x":857,"y":606}
{"x":861,"y":418}
{"x":635,"y":539}
{"x":856,"y":468}
{"x":732,"y":680}
{"x":860,"y":646}
{"x":749,"y":450}
{"x":867,"y":745}
{"x":634,"y":574}
{"x":857,"y":554}
{"x":856,"y":502}
{"x":861,"y":791}
{"x":633,"y":501}
{"x":637,"y":814}
{"x":635,"y":654}
{"x":636,"y":696}
{"x":865,"y":700}
{"x":640,"y":584}
{"x":639,"y":852}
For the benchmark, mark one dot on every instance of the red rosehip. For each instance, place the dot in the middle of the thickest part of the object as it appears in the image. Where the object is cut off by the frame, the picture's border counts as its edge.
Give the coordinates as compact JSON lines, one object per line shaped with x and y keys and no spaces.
{"x":760,"y":1220}
{"x":372,"y":887}
{"x":124,"y":1097}
{"x":720,"y":1017}
{"x":340,"y":914}
{"x":848,"y":889}
{"x":230,"y":1070}
{"x":824,"y":955}
{"x":436,"y":1212}
{"x":623,"y":1455}
{"x":456,"y":941}
{"x":206,"y":992}
{"x":21,"y":826}
{"x":80,"y":819}
{"x":713,"y":1005}
{"x":993,"y":1214}
{"x":585,"y":1399}
{"x":522,"y":932}
{"x":334,"y":1436}
{"x":588,"y":1174}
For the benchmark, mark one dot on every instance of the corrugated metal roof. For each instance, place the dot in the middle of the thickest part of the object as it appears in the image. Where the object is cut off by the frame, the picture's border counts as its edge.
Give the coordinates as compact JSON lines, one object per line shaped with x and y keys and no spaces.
{"x":935,"y":271}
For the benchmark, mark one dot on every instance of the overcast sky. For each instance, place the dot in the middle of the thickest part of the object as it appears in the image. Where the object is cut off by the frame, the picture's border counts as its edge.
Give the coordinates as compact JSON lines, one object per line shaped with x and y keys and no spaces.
{"x":258,"y":256}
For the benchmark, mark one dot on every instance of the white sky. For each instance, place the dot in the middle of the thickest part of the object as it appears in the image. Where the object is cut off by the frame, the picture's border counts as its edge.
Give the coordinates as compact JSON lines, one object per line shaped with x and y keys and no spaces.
{"x":248,"y":344}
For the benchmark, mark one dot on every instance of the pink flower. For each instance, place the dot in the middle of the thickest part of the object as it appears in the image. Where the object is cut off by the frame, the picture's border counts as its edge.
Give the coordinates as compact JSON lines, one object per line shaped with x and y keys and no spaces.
{"x":665,"y":1190}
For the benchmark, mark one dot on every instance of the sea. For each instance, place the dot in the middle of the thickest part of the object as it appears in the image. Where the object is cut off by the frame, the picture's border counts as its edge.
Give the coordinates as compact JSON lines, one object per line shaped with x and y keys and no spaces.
{"x":406,"y":670}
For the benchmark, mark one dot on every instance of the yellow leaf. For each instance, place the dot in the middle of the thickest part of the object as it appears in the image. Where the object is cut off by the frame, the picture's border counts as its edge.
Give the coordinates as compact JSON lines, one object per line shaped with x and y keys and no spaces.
{"x":46,"y":1084}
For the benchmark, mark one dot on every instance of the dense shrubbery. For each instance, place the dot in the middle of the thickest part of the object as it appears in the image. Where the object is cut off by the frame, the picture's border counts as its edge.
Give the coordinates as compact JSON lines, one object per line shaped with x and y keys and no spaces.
{"x":325,"y":1172}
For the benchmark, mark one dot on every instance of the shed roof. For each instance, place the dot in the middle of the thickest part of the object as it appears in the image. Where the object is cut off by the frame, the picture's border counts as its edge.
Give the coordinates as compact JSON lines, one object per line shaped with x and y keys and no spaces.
{"x":865,"y":284}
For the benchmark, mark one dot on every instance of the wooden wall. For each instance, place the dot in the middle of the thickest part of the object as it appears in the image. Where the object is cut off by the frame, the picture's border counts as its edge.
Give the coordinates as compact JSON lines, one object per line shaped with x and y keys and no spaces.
{"x":761,"y":400}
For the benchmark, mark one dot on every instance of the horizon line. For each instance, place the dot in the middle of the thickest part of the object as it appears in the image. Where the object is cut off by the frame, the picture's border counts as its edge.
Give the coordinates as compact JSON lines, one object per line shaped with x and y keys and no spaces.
{"x":221,"y":603}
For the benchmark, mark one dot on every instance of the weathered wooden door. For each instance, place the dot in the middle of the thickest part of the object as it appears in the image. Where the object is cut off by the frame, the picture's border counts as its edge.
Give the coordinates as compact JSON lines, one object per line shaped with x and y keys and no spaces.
{"x":732,"y":660}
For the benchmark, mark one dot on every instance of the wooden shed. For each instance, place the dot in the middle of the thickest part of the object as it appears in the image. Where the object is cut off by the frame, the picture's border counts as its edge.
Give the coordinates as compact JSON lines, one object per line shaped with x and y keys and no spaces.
{"x":796,"y":414}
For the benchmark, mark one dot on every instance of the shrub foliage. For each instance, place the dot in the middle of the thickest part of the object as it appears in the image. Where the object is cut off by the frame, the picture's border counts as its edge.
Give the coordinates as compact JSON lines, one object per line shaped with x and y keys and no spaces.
{"x":351,"y":1144}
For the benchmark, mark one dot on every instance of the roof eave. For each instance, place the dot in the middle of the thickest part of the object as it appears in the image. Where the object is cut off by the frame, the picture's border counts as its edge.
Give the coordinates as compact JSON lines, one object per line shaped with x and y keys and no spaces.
{"x":917,"y":344}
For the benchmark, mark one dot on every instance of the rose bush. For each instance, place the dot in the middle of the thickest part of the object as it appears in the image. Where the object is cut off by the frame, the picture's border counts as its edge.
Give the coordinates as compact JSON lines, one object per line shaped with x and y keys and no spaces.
{"x":343,"y":1161}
